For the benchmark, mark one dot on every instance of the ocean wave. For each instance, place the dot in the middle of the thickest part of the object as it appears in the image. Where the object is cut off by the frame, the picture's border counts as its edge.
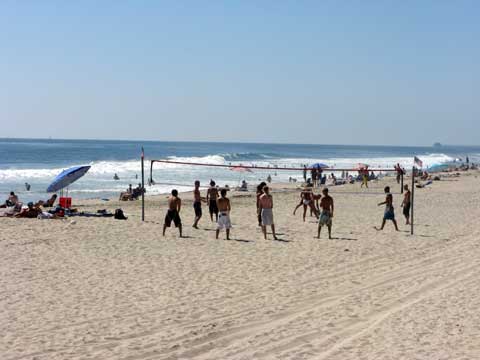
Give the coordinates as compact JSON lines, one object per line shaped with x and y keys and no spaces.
{"x":106,"y":169}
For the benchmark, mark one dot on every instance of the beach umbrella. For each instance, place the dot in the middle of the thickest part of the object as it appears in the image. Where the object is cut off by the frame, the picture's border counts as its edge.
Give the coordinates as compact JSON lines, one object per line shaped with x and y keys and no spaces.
{"x":67,"y":177}
{"x":240,"y":169}
{"x":319,"y":166}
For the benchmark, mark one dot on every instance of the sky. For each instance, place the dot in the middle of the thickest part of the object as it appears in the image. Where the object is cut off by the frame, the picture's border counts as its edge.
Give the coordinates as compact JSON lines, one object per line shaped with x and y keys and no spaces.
{"x":319,"y":72}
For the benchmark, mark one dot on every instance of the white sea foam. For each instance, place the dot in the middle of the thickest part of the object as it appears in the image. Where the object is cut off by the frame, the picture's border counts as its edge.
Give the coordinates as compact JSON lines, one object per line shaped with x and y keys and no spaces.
{"x":106,"y":169}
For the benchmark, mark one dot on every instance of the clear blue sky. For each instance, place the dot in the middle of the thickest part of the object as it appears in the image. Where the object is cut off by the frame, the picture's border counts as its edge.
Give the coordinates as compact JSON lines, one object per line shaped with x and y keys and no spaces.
{"x":349,"y":72}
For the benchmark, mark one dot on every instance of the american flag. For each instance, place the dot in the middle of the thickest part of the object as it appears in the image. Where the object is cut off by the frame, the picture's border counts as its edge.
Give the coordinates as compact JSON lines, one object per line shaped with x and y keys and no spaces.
{"x":418,"y":161}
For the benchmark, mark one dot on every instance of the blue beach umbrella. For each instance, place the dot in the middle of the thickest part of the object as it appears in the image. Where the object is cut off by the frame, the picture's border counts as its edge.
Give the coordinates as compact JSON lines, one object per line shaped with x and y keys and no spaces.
{"x":67,"y":177}
{"x":319,"y":166}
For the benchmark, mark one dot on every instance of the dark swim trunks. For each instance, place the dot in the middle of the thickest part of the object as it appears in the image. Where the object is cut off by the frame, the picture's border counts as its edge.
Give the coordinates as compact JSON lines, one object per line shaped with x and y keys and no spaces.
{"x":197,"y":206}
{"x":406,"y":210}
{"x":173,"y":215}
{"x":212,"y":207}
{"x":389,"y":214}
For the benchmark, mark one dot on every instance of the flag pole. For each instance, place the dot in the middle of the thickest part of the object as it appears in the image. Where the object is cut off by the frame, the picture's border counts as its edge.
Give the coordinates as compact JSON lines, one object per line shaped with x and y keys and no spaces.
{"x":412,"y":197}
{"x":143,"y":186}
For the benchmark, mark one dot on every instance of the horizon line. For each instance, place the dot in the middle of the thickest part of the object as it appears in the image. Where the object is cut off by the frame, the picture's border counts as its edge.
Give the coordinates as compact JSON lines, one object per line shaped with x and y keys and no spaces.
{"x":231,"y":142}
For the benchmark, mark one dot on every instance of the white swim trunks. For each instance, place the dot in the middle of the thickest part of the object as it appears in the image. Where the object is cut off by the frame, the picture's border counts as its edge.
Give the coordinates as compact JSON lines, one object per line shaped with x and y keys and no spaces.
{"x":224,"y":221}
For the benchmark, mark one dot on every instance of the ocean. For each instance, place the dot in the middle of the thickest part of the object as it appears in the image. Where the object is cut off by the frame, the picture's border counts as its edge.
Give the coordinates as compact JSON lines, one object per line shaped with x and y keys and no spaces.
{"x":37,"y":162}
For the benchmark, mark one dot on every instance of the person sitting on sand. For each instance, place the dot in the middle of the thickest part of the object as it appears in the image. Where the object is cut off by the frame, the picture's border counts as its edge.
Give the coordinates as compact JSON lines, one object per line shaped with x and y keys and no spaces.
{"x":31,"y":212}
{"x":266,"y":212}
{"x":244,"y":186}
{"x":12,"y":199}
{"x":389,"y":213}
{"x":173,"y":212}
{"x":212,"y":196}
{"x":197,"y":204}
{"x":307,"y":200}
{"x":406,"y":204}
{"x":259,"y":193}
{"x":138,"y":191}
{"x":224,"y":208}
{"x":47,"y":203}
{"x":326,"y":215}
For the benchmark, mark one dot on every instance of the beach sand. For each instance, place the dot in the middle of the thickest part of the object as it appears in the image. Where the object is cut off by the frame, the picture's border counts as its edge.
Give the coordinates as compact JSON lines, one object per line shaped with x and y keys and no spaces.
{"x":99,"y":288}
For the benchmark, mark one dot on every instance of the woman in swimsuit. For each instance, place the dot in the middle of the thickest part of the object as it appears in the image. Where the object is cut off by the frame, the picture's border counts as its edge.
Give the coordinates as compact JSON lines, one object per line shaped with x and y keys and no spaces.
{"x":306,"y":199}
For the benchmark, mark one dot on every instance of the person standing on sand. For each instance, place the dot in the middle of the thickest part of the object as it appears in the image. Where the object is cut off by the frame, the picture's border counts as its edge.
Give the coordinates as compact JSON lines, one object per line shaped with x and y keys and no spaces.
{"x":406,"y":204}
{"x":173,"y":212}
{"x":364,"y":173}
{"x":224,"y":214}
{"x":389,"y":211}
{"x":197,"y":204}
{"x":259,"y":193}
{"x":266,"y":212}
{"x":307,"y":200}
{"x":326,"y":204}
{"x":212,"y":196}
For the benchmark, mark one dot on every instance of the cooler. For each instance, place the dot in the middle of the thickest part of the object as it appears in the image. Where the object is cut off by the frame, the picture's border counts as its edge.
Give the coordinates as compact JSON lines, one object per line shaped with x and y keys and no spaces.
{"x":65,"y":202}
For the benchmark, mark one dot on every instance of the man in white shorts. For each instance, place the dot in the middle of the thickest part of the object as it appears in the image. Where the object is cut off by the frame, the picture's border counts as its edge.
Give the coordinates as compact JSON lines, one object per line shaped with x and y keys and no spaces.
{"x":266,"y":212}
{"x":223,"y":222}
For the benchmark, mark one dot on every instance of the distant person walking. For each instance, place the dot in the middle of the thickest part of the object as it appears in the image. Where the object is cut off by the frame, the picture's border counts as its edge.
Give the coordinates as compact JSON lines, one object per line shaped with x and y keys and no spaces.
{"x":224,"y":209}
{"x":406,"y":204}
{"x":305,"y":173}
{"x":266,"y":212}
{"x":326,"y":215}
{"x":389,"y":213}
{"x":173,"y":212}
{"x":399,"y":171}
{"x":364,"y":175}
{"x":27,"y":186}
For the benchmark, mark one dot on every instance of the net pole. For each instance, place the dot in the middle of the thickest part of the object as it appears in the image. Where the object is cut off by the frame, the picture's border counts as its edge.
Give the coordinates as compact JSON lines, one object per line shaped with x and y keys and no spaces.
{"x":412,"y":197}
{"x":401,"y":182}
{"x":143,"y":186}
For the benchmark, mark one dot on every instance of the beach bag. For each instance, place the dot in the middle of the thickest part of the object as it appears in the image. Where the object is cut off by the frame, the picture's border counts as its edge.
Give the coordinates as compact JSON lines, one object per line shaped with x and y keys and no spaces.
{"x":119,"y":215}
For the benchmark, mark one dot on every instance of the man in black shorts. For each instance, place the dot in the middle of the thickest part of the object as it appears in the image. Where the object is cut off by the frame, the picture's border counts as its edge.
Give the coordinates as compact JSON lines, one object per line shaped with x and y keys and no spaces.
{"x":406,"y":204}
{"x":197,"y":204}
{"x":173,"y":212}
{"x":212,"y":196}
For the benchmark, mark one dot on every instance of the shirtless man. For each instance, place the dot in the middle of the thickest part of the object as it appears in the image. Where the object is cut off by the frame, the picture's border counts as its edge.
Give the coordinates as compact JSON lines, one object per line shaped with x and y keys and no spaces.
{"x":12,"y":199}
{"x":197,"y":204}
{"x":307,"y":200}
{"x":266,"y":212}
{"x":173,"y":212}
{"x":212,"y":196}
{"x":389,"y":211}
{"x":224,"y":214}
{"x":326,"y":206}
{"x":406,"y":204}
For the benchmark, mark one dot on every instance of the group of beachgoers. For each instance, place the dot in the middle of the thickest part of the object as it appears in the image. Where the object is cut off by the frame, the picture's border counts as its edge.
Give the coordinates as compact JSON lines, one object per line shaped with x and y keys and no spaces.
{"x":219,"y":206}
{"x":14,"y":207}
{"x":321,"y":206}
{"x":132,"y":193}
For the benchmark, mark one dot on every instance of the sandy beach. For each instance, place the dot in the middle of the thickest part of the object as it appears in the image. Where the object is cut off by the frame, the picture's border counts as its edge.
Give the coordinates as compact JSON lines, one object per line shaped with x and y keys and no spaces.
{"x":99,"y":288}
